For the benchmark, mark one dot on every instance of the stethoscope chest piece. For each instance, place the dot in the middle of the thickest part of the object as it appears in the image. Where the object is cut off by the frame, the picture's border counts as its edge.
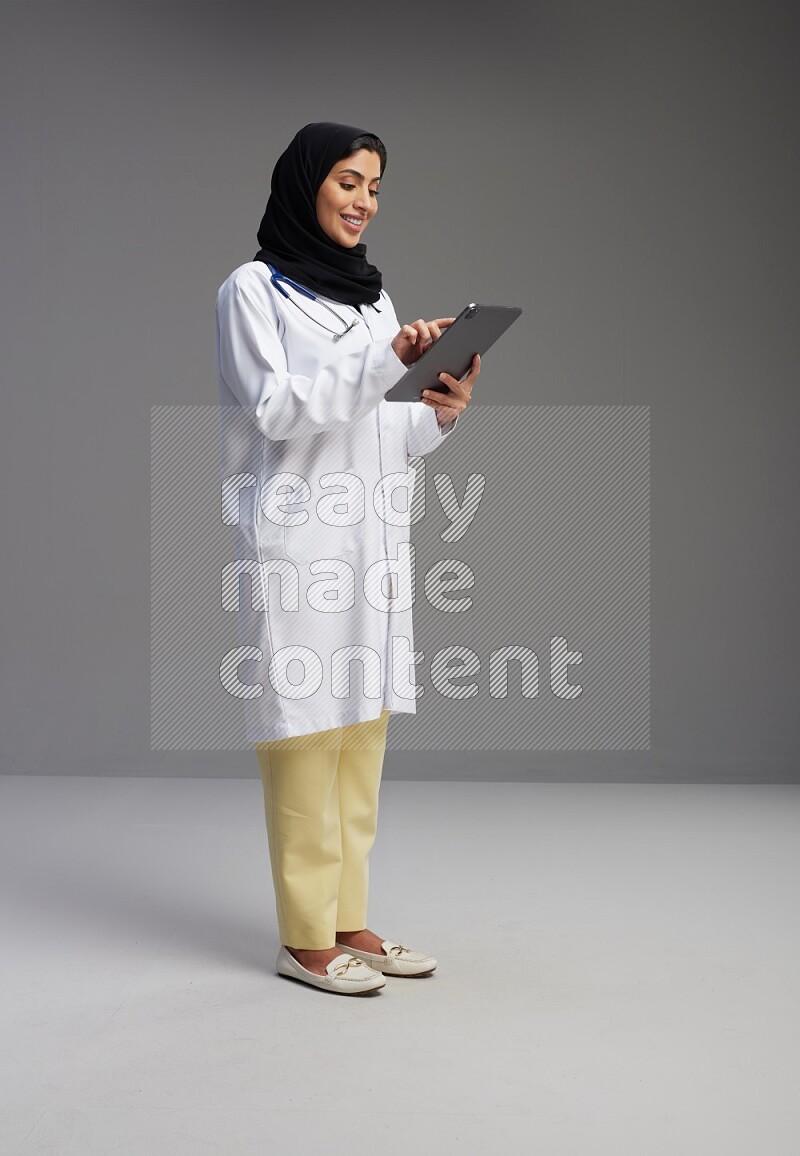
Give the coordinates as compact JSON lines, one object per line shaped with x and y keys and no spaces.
{"x":352,"y":325}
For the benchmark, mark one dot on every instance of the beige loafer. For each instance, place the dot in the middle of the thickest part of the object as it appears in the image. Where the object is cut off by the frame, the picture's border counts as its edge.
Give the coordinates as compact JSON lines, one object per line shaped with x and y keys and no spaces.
{"x":398,"y":960}
{"x":346,"y":974}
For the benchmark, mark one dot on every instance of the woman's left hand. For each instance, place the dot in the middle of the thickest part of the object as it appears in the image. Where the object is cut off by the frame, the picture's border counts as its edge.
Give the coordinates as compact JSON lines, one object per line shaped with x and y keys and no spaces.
{"x":450,"y":405}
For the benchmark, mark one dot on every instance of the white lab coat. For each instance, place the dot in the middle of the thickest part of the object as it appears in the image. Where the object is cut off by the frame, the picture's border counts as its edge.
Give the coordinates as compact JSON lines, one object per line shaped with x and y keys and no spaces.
{"x":306,"y":438}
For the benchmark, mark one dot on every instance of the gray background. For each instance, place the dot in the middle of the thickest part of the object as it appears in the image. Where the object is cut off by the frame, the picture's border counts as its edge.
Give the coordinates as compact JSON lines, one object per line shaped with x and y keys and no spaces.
{"x":627,"y":173}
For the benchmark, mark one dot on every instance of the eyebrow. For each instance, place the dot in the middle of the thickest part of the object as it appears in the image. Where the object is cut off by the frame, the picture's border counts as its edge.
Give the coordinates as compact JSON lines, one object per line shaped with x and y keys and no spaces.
{"x":356,"y":173}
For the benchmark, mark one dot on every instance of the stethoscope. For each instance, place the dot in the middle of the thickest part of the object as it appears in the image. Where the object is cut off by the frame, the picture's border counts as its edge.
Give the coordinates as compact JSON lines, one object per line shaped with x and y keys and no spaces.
{"x":276,"y":279}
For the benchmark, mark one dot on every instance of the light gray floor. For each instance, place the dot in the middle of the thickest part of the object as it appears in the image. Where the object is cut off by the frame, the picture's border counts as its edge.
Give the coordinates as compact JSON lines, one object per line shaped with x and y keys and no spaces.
{"x":618,"y":973}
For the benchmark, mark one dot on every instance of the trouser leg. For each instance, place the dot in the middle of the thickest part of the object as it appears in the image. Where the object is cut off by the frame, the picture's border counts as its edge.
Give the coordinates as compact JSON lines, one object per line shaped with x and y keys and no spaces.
{"x":360,"y":769}
{"x":301,"y":803}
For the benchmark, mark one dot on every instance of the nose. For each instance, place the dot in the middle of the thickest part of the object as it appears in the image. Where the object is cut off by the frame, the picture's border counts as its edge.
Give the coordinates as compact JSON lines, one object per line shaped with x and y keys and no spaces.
{"x":363,"y":201}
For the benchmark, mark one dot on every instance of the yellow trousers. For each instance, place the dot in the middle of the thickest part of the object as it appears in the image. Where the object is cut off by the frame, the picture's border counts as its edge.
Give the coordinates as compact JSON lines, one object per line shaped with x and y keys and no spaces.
{"x":321,"y":806}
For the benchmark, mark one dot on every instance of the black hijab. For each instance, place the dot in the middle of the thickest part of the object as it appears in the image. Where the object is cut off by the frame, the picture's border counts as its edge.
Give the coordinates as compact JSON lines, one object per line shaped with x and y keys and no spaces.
{"x":290,"y":235}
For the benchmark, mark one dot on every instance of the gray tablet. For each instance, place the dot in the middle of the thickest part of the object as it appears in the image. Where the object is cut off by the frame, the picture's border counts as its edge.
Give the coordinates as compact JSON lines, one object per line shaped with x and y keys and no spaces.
{"x":475,"y":330}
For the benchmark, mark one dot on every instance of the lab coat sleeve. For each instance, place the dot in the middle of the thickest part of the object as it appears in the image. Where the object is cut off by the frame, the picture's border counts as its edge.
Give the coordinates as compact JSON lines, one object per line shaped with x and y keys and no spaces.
{"x":252,"y":361}
{"x":423,"y":432}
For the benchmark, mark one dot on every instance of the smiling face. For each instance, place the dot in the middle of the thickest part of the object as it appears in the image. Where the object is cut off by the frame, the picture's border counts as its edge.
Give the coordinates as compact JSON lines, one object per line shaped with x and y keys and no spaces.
{"x":348,"y":197}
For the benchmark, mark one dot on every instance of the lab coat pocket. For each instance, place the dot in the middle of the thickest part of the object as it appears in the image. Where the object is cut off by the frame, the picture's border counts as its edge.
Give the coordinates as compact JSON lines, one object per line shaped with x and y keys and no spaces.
{"x":310,"y":542}
{"x":334,"y":525}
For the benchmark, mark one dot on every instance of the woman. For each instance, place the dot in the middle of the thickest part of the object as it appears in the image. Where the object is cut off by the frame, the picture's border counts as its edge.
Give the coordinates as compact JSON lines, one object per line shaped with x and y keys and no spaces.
{"x":308,"y":343}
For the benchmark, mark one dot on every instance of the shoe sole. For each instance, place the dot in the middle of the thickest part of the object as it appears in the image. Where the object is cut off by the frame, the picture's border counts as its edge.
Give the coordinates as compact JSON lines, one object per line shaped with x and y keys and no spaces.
{"x":331,"y":990}
{"x":287,"y":971}
{"x":408,"y":974}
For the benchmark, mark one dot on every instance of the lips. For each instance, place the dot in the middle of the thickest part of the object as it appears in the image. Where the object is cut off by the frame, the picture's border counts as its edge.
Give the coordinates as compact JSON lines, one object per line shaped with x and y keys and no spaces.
{"x":354,"y":223}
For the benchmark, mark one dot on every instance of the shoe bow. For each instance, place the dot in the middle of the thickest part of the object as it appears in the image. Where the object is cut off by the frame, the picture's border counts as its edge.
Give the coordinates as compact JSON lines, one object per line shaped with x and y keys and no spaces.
{"x":351,"y":962}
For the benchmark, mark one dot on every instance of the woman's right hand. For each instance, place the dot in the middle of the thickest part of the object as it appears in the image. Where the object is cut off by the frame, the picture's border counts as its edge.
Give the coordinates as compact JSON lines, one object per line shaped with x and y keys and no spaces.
{"x":413,"y":340}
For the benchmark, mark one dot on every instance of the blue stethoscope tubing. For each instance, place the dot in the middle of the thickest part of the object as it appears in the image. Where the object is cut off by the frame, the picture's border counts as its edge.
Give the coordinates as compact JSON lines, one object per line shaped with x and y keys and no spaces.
{"x":276,"y":279}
